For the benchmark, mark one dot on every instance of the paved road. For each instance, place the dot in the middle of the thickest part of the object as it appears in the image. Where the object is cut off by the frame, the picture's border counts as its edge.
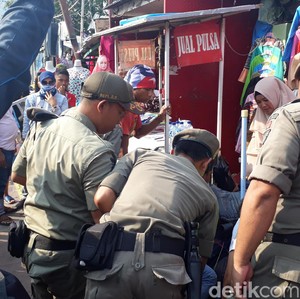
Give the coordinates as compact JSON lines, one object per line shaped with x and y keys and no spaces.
{"x":7,"y":262}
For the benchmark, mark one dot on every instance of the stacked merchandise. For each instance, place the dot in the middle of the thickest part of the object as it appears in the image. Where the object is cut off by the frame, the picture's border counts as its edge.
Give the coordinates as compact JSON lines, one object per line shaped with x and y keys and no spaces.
{"x":178,"y":126}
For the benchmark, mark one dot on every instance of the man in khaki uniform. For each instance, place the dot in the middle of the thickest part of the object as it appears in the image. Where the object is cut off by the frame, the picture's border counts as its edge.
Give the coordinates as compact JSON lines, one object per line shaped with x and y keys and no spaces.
{"x":151,"y":194}
{"x":269,"y":230}
{"x":62,"y":163}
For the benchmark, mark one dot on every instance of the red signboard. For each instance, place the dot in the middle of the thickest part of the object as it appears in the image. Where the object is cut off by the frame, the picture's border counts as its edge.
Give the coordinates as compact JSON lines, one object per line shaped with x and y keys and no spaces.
{"x":198,"y":43}
{"x":136,"y":52}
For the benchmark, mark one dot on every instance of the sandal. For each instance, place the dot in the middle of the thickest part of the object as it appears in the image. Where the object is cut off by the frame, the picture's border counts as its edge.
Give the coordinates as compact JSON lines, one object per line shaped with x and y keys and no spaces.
{"x":9,"y":200}
{"x":5,"y":220}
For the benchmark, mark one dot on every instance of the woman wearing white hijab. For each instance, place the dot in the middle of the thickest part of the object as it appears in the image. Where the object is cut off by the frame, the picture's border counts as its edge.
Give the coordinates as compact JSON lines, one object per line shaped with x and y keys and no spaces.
{"x":270,"y":93}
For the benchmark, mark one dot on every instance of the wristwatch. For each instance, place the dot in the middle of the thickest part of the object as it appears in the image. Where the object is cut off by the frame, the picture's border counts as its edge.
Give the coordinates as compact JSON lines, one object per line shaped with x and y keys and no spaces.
{"x":53,"y":108}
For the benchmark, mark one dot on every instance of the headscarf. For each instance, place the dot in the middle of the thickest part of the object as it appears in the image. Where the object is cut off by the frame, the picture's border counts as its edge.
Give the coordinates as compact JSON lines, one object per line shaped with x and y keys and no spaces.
{"x":47,"y":88}
{"x":141,"y":76}
{"x":279,"y":94}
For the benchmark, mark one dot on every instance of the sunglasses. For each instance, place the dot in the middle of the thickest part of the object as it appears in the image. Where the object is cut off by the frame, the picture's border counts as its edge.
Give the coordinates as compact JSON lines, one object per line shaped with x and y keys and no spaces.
{"x":44,"y":82}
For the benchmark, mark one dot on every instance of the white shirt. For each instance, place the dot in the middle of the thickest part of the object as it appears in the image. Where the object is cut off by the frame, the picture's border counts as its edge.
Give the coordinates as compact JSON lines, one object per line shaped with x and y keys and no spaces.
{"x":8,"y":131}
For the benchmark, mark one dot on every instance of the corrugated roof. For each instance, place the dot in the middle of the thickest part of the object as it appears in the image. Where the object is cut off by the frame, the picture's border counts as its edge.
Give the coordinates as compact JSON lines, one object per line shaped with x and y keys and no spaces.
{"x":157,"y":22}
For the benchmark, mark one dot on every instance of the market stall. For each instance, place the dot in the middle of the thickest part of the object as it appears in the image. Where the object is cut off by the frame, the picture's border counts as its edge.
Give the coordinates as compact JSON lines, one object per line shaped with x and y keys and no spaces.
{"x":162,"y":24}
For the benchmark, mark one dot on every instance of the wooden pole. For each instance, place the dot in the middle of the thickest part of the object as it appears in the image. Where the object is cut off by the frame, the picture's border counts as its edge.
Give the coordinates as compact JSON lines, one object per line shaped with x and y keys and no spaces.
{"x":65,"y":11}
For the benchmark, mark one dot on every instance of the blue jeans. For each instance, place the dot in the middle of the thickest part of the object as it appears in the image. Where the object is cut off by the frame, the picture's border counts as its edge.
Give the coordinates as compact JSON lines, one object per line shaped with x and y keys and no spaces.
{"x":209,"y":279}
{"x":229,"y":204}
{"x":4,"y":175}
{"x":22,"y":31}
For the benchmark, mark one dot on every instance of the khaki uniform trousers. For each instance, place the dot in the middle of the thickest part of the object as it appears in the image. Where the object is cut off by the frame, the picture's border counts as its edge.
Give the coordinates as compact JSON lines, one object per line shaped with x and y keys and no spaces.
{"x":161,"y":276}
{"x":276,"y":271}
{"x":52,"y":274}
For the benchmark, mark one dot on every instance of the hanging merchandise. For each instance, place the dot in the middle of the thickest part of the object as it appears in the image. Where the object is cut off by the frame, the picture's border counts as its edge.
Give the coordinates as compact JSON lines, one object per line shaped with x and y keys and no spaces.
{"x":266,"y":61}
{"x":293,"y":70}
{"x":288,"y":52}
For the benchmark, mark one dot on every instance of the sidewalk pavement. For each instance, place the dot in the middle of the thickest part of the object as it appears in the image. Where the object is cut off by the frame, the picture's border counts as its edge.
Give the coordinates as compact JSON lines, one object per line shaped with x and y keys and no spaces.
{"x":7,"y":262}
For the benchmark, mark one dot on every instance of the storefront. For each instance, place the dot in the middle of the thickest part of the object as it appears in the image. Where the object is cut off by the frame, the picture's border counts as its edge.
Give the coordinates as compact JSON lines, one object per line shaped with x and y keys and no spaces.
{"x":194,"y":86}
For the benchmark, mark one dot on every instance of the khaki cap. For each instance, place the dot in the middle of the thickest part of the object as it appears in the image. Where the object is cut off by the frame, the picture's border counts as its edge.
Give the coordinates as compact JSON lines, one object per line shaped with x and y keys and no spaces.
{"x":201,"y":136}
{"x":110,"y":87}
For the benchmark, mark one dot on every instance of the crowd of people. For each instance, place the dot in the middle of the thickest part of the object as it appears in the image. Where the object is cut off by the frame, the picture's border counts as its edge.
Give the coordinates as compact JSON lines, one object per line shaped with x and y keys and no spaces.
{"x":76,"y":168}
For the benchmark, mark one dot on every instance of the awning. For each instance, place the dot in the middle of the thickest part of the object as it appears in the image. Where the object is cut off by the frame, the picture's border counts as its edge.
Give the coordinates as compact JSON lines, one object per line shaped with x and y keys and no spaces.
{"x":157,"y":22}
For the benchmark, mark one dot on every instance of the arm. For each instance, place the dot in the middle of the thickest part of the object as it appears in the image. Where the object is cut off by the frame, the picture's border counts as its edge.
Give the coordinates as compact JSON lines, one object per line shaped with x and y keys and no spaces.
{"x":124,"y":145}
{"x":228,"y":271}
{"x":93,"y":177}
{"x":18,"y":172}
{"x":114,"y":183}
{"x":25,"y":118}
{"x":147,"y":128}
{"x":2,"y":159}
{"x":258,"y":211}
{"x":104,"y":199}
{"x":96,"y":215}
{"x":18,"y":179}
{"x":64,"y":105}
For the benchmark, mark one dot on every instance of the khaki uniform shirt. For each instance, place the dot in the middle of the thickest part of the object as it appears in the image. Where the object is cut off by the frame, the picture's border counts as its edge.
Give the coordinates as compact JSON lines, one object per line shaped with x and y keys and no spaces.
{"x":64,"y":161}
{"x":158,"y":190}
{"x":279,"y":164}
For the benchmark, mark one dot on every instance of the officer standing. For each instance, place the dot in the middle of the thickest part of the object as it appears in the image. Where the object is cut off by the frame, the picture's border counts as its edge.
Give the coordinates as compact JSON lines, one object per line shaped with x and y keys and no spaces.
{"x":62,"y":162}
{"x":269,"y":230}
{"x":151,"y":194}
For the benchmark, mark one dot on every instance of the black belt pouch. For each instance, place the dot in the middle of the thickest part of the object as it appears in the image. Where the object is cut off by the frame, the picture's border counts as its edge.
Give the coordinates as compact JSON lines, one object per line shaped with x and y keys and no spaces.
{"x":96,"y":246}
{"x":18,"y":238}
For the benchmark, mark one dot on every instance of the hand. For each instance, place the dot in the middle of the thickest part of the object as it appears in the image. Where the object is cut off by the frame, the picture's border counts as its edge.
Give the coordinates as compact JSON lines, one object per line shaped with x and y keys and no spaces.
{"x":51,"y":99}
{"x":241,"y":276}
{"x":2,"y":160}
{"x":62,"y":90}
{"x":164,"y":110}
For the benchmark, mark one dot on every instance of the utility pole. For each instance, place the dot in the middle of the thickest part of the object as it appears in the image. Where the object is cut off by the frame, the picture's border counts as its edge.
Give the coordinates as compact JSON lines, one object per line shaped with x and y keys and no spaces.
{"x":81,"y":22}
{"x":65,"y":11}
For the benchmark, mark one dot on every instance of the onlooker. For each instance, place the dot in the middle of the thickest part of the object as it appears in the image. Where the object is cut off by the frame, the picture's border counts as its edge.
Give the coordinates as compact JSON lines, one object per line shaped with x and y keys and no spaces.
{"x":270,"y":93}
{"x":151,"y":195}
{"x":62,"y":85}
{"x":36,"y":84}
{"x":62,"y":162}
{"x":47,"y":98}
{"x":8,"y":134}
{"x":23,"y":28}
{"x":142,"y":79}
{"x":122,"y":72}
{"x":229,"y":212}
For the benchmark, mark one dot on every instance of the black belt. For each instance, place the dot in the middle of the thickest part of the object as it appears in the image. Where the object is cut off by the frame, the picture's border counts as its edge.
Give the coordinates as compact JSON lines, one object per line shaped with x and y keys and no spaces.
{"x":42,"y":242}
{"x":288,"y":239}
{"x":153,"y":243}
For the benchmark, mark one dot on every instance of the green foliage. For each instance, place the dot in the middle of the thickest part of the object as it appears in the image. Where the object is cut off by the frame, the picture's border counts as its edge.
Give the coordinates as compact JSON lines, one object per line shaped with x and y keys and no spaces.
{"x":91,"y":7}
{"x":6,"y":3}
